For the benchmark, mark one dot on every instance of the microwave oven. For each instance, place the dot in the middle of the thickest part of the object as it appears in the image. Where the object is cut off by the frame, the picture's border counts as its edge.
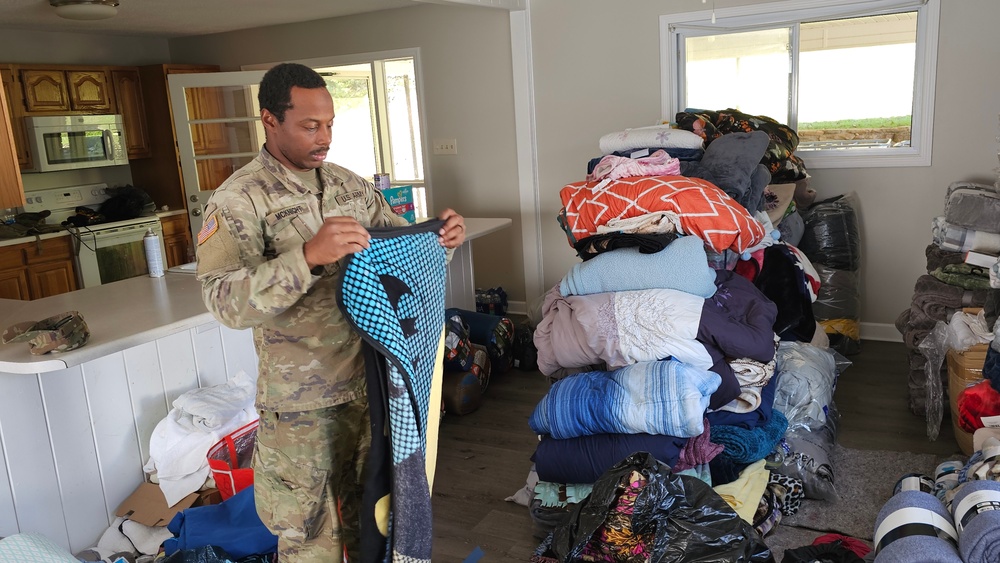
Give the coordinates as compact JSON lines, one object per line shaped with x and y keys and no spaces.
{"x":70,"y":142}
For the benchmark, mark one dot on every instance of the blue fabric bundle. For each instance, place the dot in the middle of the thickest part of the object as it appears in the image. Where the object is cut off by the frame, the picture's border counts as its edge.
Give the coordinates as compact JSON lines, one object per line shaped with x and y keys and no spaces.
{"x":232,"y":525}
{"x":978,"y":521}
{"x":747,"y":446}
{"x":914,"y":527}
{"x":665,"y":397}
{"x":682,"y":265}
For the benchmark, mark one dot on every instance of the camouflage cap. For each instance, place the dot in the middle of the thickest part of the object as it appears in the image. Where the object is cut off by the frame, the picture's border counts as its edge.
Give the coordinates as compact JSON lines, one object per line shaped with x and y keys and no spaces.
{"x":58,"y":333}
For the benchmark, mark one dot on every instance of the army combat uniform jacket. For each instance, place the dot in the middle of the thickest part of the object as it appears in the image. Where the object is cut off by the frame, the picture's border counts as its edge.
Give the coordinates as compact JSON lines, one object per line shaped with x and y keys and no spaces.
{"x":253,"y":272}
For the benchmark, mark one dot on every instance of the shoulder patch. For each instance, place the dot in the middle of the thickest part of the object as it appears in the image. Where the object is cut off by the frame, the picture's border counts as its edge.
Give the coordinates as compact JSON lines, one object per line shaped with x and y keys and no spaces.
{"x":208,"y":229}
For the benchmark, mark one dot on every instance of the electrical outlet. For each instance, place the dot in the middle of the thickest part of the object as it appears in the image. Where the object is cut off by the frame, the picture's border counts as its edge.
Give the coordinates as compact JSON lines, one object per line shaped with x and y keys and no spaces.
{"x":445,"y":146}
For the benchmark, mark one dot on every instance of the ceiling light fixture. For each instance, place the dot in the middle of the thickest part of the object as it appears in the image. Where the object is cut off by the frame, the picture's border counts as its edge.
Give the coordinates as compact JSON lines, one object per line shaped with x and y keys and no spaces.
{"x":85,"y":9}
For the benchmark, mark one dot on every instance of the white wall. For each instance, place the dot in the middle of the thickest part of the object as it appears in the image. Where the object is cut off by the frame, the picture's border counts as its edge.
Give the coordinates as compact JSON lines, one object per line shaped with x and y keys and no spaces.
{"x":466,"y":58}
{"x":596,"y":70}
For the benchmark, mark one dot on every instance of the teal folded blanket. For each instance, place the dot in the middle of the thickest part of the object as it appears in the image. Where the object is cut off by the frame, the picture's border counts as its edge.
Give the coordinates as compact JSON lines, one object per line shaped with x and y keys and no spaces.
{"x":682,"y":265}
{"x":744,"y":446}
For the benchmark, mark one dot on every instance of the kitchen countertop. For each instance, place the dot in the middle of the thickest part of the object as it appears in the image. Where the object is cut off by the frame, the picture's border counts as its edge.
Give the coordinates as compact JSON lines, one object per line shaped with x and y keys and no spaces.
{"x":128,"y":313}
{"x":119,"y":315}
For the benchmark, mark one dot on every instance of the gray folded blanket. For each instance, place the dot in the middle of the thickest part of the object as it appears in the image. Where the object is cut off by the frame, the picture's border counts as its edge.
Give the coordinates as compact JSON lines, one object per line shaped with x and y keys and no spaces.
{"x":935,"y":298}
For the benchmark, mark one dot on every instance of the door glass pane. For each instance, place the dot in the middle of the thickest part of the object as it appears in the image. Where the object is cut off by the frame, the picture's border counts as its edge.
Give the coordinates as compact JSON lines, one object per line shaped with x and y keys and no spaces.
{"x":856,"y":82}
{"x":746,"y":71}
{"x":213,"y":171}
{"x":404,"y":123}
{"x":353,"y":143}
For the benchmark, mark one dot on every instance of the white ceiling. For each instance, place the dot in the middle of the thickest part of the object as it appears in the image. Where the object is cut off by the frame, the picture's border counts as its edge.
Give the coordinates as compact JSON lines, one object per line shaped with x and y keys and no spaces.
{"x":174,"y":18}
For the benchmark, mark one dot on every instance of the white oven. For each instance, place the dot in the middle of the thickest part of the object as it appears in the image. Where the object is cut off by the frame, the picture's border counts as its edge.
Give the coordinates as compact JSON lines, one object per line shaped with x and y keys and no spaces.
{"x":105,"y":252}
{"x":110,"y":252}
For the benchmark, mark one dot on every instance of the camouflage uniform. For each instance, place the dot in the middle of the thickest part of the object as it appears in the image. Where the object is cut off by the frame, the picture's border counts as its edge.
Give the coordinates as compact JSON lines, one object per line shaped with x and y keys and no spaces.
{"x":314,"y":430}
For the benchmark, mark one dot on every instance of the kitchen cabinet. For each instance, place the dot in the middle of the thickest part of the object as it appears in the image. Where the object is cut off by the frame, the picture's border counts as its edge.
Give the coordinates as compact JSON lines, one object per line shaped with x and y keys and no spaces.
{"x":160,"y":174}
{"x":128,"y":95}
{"x":176,"y":239}
{"x":33,"y":270}
{"x":61,"y":90}
{"x":15,"y":108}
{"x":11,"y":187}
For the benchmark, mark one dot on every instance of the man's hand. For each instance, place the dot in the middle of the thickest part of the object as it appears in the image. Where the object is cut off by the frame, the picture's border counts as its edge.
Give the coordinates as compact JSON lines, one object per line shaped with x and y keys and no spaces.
{"x":452,"y":234}
{"x":338,"y":237}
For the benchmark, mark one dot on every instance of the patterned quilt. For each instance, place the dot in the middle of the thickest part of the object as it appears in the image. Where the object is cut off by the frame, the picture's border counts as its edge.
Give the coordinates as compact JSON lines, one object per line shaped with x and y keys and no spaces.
{"x":704,"y":209}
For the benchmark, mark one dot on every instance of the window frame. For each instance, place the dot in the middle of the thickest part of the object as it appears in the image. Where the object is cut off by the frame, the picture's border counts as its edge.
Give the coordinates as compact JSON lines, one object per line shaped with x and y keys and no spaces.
{"x":674,"y":27}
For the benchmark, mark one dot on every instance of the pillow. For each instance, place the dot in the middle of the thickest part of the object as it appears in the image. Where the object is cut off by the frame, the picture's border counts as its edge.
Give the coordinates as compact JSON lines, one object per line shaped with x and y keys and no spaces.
{"x":732,"y":158}
{"x":33,"y":548}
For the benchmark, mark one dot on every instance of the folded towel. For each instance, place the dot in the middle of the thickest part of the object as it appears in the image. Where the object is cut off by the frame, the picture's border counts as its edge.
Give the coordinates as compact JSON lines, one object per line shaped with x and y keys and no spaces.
{"x":211,"y":407}
{"x":978,"y":521}
{"x":682,"y":265}
{"x":914,"y":527}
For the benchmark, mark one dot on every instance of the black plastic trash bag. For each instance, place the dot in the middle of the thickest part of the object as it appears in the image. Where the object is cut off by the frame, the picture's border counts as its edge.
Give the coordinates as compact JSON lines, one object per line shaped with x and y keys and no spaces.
{"x":832,"y":236}
{"x":687,"y":521}
{"x":205,"y":554}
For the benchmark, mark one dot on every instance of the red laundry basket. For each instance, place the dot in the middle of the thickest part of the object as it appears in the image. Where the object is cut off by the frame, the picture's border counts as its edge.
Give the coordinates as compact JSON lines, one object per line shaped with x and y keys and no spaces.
{"x":229,"y":459}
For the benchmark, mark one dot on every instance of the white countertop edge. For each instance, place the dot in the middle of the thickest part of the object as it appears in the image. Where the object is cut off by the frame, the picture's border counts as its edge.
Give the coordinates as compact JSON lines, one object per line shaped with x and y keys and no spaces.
{"x":31,"y":238}
{"x":93,"y":351}
{"x":476,"y":227}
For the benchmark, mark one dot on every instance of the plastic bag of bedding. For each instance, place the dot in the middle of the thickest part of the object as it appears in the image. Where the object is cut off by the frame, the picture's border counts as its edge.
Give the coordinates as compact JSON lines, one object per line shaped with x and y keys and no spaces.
{"x":640,"y":506}
{"x":831,"y":236}
{"x":807,"y":378}
{"x":806,"y":455}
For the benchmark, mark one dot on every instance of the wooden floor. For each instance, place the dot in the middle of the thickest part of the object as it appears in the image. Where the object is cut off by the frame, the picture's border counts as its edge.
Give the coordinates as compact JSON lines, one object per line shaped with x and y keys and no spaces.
{"x":483,"y":457}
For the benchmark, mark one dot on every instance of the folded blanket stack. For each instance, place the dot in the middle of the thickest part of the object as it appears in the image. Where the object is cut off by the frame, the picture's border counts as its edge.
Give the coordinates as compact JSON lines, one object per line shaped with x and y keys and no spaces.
{"x":978,"y":521}
{"x":933,"y":300}
{"x":677,"y":339}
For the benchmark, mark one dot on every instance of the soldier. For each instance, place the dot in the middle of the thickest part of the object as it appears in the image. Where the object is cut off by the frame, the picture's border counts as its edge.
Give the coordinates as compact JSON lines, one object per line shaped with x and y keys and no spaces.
{"x":269,"y":254}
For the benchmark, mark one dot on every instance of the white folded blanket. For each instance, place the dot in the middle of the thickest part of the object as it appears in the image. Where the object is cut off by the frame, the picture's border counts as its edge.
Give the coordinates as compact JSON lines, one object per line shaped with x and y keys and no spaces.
{"x":656,"y":136}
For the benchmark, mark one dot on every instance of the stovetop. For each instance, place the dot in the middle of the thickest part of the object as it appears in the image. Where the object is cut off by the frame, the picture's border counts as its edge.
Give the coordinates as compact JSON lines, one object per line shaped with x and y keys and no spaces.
{"x":62,"y":203}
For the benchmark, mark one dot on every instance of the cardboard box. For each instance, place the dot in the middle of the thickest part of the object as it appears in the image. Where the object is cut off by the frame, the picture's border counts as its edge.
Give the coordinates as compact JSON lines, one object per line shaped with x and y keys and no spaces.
{"x":965,"y":369}
{"x":147,"y":505}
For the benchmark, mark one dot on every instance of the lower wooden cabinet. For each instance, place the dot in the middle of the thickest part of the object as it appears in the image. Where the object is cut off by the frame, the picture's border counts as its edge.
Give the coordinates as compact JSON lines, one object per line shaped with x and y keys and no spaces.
{"x":14,"y":284}
{"x":34,"y":270}
{"x":176,"y":239}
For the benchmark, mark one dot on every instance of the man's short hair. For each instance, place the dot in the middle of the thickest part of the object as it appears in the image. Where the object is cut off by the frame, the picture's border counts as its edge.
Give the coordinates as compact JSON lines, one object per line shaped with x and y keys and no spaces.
{"x":275,"y":94}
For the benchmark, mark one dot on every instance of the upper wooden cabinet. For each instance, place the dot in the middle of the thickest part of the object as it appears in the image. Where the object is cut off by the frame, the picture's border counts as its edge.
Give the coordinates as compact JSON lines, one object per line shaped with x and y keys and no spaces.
{"x":11,"y":188}
{"x":61,"y":90}
{"x":128,"y":94}
{"x":50,"y":89}
{"x":15,"y":108}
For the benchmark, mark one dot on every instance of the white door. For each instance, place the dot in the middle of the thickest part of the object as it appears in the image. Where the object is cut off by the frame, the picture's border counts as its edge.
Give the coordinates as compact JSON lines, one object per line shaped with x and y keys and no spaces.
{"x":218,"y":129}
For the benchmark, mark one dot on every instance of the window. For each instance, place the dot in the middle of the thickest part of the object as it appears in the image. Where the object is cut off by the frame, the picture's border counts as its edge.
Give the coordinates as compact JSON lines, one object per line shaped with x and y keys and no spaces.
{"x":377,"y":128}
{"x":854,"y":79}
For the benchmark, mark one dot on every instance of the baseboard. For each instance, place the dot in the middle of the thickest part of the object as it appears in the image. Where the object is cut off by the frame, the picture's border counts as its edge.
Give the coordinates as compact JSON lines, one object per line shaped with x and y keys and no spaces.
{"x":517,"y":308}
{"x":880,"y":331}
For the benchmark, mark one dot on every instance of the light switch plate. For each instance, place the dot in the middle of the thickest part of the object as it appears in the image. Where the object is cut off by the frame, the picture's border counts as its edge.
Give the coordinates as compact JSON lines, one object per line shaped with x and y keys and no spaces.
{"x":445,"y":146}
